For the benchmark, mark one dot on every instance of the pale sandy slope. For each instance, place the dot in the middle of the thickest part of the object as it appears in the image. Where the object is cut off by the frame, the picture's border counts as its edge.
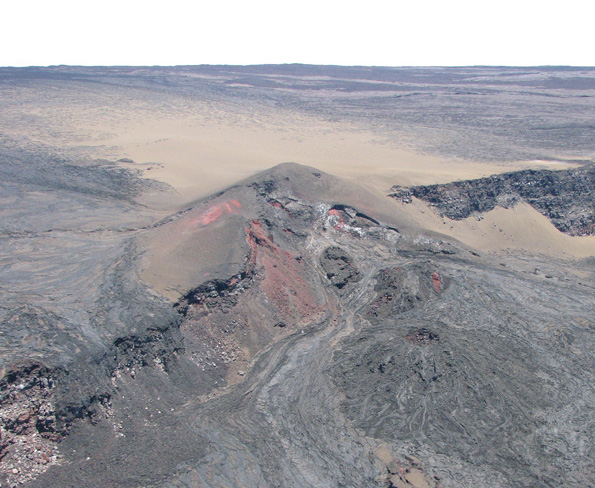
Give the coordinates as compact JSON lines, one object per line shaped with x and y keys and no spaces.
{"x":200,"y":154}
{"x":202,"y":146}
{"x":201,"y":158}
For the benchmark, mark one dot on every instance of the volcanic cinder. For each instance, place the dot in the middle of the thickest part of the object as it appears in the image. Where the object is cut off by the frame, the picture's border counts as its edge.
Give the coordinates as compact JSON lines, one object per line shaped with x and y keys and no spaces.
{"x":409,"y":304}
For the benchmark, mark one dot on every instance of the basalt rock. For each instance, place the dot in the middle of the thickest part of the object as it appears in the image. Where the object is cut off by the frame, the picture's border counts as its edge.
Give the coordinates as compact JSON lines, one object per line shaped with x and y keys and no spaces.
{"x":405,"y":288}
{"x":566,"y":197}
{"x":339,"y":267}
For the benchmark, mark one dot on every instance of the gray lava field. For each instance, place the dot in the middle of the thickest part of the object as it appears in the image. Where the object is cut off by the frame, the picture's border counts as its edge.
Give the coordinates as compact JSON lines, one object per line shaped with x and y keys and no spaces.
{"x":329,"y":343}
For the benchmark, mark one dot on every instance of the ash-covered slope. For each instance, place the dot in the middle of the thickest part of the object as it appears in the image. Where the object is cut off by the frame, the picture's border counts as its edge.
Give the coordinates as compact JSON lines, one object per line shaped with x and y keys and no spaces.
{"x":566,"y":197}
{"x":313,"y":341}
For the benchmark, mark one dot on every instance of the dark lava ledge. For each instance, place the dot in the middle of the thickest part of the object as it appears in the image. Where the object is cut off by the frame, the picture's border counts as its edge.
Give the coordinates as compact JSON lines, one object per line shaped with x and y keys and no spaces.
{"x":566,"y":197}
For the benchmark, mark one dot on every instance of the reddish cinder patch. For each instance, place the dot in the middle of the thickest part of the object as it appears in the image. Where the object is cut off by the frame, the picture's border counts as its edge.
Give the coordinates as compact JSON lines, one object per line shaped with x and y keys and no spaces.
{"x":282,"y":279}
{"x":279,"y":205}
{"x":257,"y":237}
{"x":218,"y":210}
{"x":436,"y":282}
{"x":211,"y":216}
{"x":340,"y":225}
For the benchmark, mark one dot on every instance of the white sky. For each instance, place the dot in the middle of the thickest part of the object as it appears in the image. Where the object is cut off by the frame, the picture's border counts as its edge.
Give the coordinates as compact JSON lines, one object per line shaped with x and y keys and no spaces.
{"x":370,"y":32}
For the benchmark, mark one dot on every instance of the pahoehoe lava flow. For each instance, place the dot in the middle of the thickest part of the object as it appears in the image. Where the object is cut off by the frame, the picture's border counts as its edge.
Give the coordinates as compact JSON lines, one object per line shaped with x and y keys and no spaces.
{"x":342,"y":352}
{"x":296,"y":329}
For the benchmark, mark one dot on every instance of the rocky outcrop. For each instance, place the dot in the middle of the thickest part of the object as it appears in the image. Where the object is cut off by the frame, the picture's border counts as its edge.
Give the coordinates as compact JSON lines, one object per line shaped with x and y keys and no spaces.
{"x":566,"y":197}
{"x":349,"y":221}
{"x":220,"y":294}
{"x":404,"y":288}
{"x":339,"y":267}
{"x":33,"y":420}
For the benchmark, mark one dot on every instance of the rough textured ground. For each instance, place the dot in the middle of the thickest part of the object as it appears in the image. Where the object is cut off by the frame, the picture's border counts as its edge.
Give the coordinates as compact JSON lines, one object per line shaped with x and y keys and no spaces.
{"x":567,"y":198}
{"x":295,"y":329}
